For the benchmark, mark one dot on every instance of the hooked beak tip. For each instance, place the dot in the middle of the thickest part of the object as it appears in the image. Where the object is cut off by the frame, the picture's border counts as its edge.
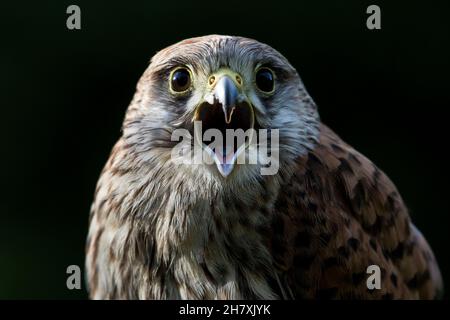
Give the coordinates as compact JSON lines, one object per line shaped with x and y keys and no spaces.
{"x":227,"y":95}
{"x":228,"y":114}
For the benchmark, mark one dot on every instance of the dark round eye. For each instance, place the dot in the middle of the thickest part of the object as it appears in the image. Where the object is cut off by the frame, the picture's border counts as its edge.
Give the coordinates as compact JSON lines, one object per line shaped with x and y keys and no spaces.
{"x":180,"y":80}
{"x":264,"y":80}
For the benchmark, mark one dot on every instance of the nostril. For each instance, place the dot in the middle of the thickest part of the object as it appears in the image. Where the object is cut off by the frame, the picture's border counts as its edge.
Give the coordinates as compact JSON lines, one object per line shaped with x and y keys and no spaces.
{"x":211,"y":80}
{"x":238,"y":79}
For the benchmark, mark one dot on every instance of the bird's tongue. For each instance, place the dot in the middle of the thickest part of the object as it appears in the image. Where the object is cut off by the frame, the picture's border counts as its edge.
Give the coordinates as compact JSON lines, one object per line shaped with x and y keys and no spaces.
{"x":225,"y":159}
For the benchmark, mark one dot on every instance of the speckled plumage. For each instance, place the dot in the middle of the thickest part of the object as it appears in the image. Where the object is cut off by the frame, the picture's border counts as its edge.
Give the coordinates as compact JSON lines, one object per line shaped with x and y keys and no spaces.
{"x":160,"y":230}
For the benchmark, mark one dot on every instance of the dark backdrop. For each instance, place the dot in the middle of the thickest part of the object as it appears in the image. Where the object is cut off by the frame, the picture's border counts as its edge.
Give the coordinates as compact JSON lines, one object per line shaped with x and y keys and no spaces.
{"x":64,"y":94}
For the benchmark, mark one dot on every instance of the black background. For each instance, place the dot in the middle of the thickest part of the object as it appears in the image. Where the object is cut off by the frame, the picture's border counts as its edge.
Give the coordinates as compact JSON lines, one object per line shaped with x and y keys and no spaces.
{"x":64,"y":94}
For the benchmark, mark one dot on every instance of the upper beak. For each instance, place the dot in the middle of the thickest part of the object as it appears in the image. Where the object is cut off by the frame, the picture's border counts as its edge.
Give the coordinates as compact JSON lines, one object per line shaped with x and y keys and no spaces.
{"x":226,"y":92}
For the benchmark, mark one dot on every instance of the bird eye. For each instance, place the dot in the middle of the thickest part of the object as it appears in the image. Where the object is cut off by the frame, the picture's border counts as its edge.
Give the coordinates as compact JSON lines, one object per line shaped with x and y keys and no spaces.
{"x":265,"y":80}
{"x":180,"y":80}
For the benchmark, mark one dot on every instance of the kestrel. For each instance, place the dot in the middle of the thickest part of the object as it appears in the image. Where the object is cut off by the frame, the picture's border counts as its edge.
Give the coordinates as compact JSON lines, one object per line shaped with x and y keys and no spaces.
{"x":165,"y":229}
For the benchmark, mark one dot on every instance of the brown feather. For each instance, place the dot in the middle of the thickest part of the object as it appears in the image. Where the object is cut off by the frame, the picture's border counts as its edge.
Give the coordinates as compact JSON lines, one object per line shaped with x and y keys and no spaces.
{"x":342,"y":214}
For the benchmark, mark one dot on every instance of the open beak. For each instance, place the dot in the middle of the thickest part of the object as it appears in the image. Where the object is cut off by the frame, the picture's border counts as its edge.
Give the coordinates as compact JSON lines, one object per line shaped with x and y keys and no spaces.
{"x":225,"y":107}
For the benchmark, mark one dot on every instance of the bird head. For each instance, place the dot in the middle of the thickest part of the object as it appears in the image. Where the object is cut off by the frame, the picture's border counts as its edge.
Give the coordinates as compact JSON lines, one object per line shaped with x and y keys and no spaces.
{"x":221,"y":84}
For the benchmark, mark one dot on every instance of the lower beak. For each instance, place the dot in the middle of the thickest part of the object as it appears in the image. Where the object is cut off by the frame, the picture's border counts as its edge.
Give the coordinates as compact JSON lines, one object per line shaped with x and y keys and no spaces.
{"x":227,"y":108}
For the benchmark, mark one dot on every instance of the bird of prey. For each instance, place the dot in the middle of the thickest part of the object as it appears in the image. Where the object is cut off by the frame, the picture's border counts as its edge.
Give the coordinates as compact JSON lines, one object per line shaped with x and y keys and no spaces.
{"x":165,"y":229}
